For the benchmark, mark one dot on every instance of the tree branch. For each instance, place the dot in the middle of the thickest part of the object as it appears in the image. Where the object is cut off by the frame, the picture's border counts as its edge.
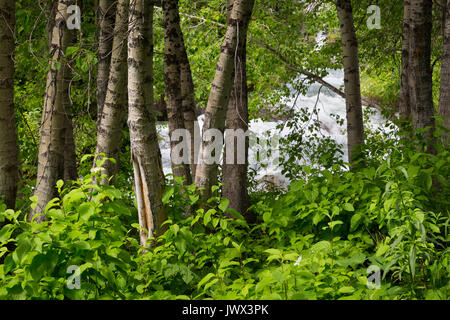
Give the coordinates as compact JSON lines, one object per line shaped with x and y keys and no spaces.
{"x":365,"y":100}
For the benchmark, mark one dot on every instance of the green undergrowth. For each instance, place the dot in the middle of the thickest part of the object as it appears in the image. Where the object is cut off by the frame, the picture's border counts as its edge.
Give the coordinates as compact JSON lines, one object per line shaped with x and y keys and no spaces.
{"x":380,"y":232}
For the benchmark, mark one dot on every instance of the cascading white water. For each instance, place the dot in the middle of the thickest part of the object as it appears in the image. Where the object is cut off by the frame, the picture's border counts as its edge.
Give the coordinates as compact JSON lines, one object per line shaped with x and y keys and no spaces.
{"x":328,"y":104}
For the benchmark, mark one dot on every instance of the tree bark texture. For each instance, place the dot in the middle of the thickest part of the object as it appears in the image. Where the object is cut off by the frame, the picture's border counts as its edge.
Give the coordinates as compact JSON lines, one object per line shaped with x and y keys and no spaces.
{"x":54,"y":122}
{"x":355,"y":128}
{"x":145,"y":153}
{"x":420,"y":77}
{"x":444,"y":95}
{"x":109,"y":132}
{"x":234,"y":175}
{"x":188,"y":101}
{"x":404,"y":100}
{"x":215,"y":113}
{"x":105,"y":44}
{"x":8,"y":142}
{"x":172,"y":81}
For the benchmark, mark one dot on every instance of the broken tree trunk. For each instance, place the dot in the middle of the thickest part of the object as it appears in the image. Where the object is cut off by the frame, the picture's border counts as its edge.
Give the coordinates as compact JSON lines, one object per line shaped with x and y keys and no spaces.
{"x":145,"y":152}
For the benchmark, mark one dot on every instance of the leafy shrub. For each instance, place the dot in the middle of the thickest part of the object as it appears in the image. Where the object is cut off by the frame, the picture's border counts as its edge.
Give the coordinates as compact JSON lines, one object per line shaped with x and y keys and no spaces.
{"x":317,"y":240}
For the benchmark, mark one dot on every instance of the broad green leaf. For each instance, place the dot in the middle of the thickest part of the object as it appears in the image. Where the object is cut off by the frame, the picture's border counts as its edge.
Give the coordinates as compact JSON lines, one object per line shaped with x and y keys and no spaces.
{"x":5,"y":232}
{"x":223,"y":205}
{"x":86,"y":210}
{"x":205,"y":279}
{"x":346,"y":290}
{"x":355,"y":221}
{"x":167,"y":194}
{"x":382,"y":249}
{"x":349,"y":207}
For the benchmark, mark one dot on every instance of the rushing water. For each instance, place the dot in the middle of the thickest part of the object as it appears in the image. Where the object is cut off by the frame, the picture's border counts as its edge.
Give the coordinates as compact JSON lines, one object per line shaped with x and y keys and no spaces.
{"x":328,"y":104}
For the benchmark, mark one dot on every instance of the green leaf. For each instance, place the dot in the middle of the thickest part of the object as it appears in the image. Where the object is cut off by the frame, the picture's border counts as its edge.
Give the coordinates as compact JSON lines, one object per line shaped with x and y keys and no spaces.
{"x":354,"y":260}
{"x":38,"y":266}
{"x":355,"y":221}
{"x":22,"y":250}
{"x":429,"y":182}
{"x":82,"y":245}
{"x":175,"y":228}
{"x":267,"y":216}
{"x":209,"y":284}
{"x":140,"y":288}
{"x":85,"y":157}
{"x":34,"y":202}
{"x":402,"y":169}
{"x":167,"y":194}
{"x":59,"y":184}
{"x":412,"y":261}
{"x":413,"y":171}
{"x":273,"y":252}
{"x":207,"y":217}
{"x":335,"y":211}
{"x":348,"y":207}
{"x":382,"y":249}
{"x":223,"y":205}
{"x":86,"y":210}
{"x":205,"y":279}
{"x":5,"y":232}
{"x":346,"y":290}
{"x":332,"y":224}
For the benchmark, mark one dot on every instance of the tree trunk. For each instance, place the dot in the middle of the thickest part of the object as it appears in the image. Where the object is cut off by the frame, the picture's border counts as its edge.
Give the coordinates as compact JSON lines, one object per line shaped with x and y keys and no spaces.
{"x":172,"y":84}
{"x":234,"y":172}
{"x":206,"y":175}
{"x":145,"y":153}
{"x":420,"y":79}
{"x":444,"y":97}
{"x":110,"y":127}
{"x":8,"y":143}
{"x":355,"y":128}
{"x":188,"y":101}
{"x":404,"y":101}
{"x":53,"y":125}
{"x":105,"y":45}
{"x":70,"y":157}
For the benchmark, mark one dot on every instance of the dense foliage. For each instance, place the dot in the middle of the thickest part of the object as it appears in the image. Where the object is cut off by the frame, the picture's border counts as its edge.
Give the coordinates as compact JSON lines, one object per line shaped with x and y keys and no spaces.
{"x":380,"y":231}
{"x":314,"y":241}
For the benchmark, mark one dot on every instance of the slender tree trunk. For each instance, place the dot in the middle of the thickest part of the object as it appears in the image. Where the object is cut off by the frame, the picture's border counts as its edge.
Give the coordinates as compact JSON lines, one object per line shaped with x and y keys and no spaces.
{"x":53,"y":125}
{"x":110,"y":127}
{"x":420,"y":79}
{"x":70,"y":164}
{"x":444,"y":97}
{"x":188,"y":102}
{"x":172,"y":83}
{"x":234,"y":172}
{"x":70,"y":157}
{"x":405,"y":103}
{"x":215,"y":113}
{"x":145,"y":153}
{"x":105,"y":43}
{"x":8,"y":142}
{"x":355,"y":128}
